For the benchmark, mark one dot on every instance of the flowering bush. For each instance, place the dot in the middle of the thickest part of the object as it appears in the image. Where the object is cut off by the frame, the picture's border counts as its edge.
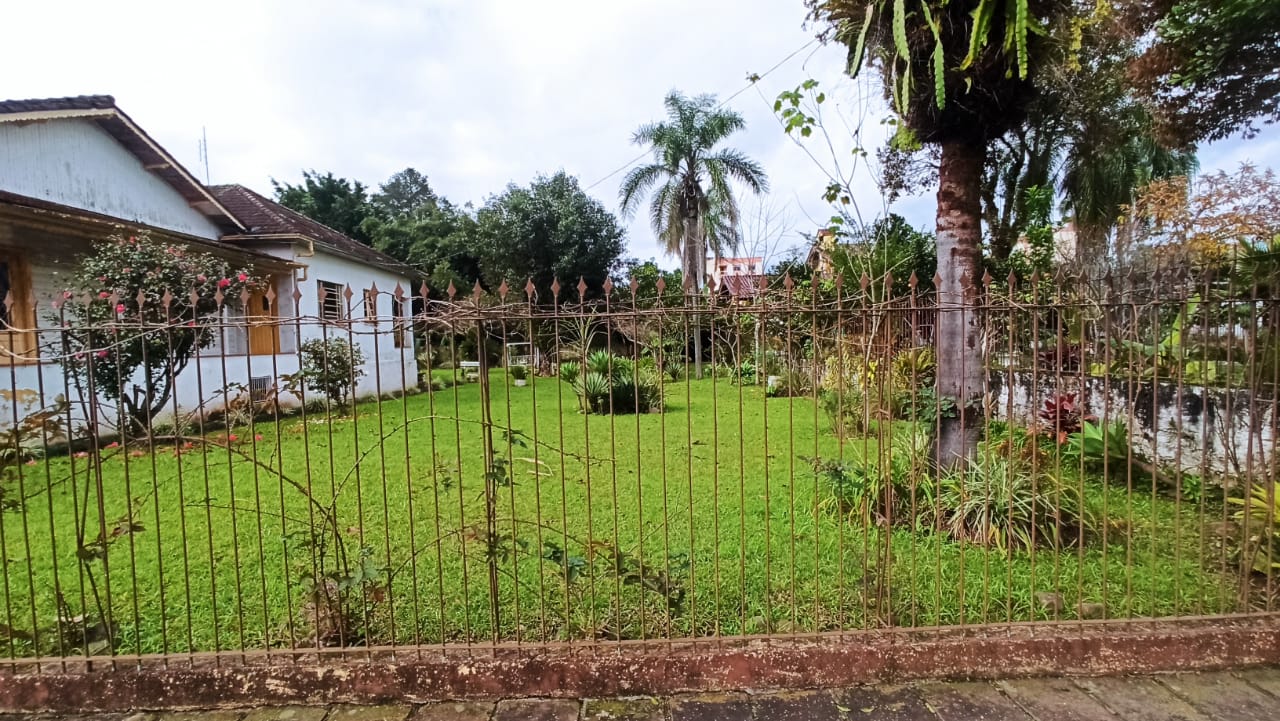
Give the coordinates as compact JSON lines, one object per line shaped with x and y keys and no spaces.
{"x":122,"y":339}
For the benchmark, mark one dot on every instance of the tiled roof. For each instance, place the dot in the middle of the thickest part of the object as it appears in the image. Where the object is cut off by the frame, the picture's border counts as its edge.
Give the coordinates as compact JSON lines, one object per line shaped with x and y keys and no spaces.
{"x":40,"y":105}
{"x":742,"y":286}
{"x":265,"y":217}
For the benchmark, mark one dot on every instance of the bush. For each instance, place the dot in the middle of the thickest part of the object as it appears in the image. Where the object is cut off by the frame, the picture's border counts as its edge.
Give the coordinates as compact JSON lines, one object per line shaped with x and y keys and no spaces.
{"x":613,"y":384}
{"x":1000,"y":501}
{"x":674,"y":369}
{"x":518,"y":373}
{"x":569,"y":371}
{"x":883,"y":490}
{"x":1260,"y":515}
{"x":332,"y":367}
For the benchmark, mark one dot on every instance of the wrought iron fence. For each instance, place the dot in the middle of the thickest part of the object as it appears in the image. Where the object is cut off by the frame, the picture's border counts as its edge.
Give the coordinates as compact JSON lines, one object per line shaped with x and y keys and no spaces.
{"x":548,"y":467}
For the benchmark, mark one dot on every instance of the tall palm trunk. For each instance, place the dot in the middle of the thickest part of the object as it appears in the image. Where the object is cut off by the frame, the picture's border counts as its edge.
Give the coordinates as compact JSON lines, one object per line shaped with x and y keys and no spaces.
{"x":693,"y":269}
{"x":957,"y":334}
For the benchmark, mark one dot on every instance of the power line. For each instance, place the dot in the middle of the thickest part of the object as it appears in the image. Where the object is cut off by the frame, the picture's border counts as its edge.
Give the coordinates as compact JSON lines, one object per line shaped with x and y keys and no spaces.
{"x":754,"y":80}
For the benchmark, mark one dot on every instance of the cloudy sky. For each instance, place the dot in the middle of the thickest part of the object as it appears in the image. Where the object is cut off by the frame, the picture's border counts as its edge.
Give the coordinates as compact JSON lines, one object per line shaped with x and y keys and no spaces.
{"x":474,"y":93}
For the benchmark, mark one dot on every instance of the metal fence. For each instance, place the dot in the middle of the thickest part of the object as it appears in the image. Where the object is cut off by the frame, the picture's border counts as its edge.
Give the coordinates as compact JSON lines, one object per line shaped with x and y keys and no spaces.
{"x":546,"y":467}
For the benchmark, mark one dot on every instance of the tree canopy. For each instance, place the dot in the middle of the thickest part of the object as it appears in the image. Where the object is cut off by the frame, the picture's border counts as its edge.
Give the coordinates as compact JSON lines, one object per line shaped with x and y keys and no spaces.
{"x":550,"y":229}
{"x":336,"y":202}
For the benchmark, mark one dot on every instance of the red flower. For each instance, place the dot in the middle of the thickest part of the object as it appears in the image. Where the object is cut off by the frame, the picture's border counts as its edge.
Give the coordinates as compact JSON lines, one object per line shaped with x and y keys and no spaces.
{"x":242,"y":277}
{"x":102,"y":354}
{"x":120,"y":307}
{"x":104,"y":294}
{"x":257,"y":436}
{"x":113,"y":444}
{"x":224,"y":282}
{"x":232,"y":437}
{"x":66,"y":294}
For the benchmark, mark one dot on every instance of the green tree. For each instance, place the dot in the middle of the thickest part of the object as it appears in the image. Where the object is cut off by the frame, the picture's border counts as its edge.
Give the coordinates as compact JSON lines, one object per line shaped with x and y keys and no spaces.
{"x":439,"y":240}
{"x":123,"y":342}
{"x":959,"y":75}
{"x":889,"y":246}
{"x":405,"y":193}
{"x":336,"y":202}
{"x":693,"y":208}
{"x":548,"y":230}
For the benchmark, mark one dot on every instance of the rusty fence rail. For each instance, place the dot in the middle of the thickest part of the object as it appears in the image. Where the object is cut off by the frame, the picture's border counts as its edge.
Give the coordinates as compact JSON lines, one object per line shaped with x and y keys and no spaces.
{"x":600,"y":466}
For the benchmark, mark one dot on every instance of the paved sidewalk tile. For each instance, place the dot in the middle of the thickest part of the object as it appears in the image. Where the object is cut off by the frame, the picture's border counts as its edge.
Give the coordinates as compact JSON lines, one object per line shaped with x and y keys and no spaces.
{"x":884,"y":703}
{"x":385,"y":712}
{"x":1223,"y":696}
{"x":287,"y":713}
{"x":536,"y":709}
{"x":1055,"y":699}
{"x":454,"y":711}
{"x":973,"y":701}
{"x":1267,"y":679}
{"x":710,"y":707}
{"x":627,"y":709}
{"x":797,"y":706}
{"x":1139,"y":699}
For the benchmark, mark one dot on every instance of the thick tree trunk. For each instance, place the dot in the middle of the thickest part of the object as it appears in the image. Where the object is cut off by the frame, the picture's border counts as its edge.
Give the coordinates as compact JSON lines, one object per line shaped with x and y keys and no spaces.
{"x":957,"y":335}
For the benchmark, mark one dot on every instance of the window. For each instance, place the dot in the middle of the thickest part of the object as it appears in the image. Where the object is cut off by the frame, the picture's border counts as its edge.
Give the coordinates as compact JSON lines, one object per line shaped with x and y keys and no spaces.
{"x":397,"y":321}
{"x":331,"y":301}
{"x":17,"y":317}
{"x":737,"y":269}
{"x":370,"y":306}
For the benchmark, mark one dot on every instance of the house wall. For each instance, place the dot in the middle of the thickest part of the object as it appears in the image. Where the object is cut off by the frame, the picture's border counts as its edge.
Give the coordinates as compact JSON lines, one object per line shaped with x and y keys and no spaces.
{"x":387,"y":368}
{"x":25,"y":388}
{"x":76,"y":163}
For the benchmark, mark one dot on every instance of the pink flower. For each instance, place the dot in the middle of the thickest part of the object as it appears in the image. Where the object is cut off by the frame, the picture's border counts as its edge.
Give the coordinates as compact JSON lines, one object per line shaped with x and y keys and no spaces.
{"x":202,"y":277}
{"x":113,"y":444}
{"x":224,"y":282}
{"x":242,"y":277}
{"x":66,"y":294}
{"x":82,"y":454}
{"x":31,"y":462}
{"x":257,"y":436}
{"x":232,"y":437}
{"x":120,"y":307}
{"x":104,"y":294}
{"x":101,"y":354}
{"x":191,"y":324}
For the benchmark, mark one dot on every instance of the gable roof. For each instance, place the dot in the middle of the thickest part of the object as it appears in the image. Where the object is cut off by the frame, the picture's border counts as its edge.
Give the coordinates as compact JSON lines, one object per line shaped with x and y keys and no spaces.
{"x":102,"y":110}
{"x":264,"y":218}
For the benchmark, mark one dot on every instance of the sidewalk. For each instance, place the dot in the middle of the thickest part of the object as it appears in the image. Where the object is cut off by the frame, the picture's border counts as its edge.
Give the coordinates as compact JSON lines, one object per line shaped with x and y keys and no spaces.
{"x":1252,"y":695}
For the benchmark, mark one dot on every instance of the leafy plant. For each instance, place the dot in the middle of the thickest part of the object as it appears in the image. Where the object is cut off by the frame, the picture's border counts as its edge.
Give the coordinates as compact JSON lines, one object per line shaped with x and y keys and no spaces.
{"x":618,"y":387}
{"x":569,"y":371}
{"x":879,"y":489}
{"x":600,"y":362}
{"x":1260,"y":517}
{"x":137,"y":310}
{"x":332,"y":366}
{"x":999,"y":501}
{"x":518,"y":373}
{"x":789,"y":384}
{"x":674,"y":369}
{"x":1063,"y":415}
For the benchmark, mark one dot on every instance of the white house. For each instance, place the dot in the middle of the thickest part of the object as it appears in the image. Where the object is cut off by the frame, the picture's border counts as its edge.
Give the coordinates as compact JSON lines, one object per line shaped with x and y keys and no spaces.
{"x":74,"y":171}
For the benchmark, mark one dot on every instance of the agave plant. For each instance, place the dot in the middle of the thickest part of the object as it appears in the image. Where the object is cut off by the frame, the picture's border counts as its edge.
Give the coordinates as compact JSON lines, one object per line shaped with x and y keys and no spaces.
{"x":1260,"y":515}
{"x":569,"y":372}
{"x":594,"y":388}
{"x":601,"y":362}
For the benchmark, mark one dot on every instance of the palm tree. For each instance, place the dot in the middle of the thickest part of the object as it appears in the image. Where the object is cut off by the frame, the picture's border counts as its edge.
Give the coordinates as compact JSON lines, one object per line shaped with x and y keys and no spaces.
{"x":959,"y":74}
{"x":693,"y":208}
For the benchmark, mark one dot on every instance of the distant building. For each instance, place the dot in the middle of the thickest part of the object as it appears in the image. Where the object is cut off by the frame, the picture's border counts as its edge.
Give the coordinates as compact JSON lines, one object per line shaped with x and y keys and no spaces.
{"x":740,"y":279}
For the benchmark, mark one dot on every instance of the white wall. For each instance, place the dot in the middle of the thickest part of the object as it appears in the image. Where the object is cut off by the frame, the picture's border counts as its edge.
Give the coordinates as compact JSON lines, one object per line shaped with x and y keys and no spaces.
{"x":76,"y":163}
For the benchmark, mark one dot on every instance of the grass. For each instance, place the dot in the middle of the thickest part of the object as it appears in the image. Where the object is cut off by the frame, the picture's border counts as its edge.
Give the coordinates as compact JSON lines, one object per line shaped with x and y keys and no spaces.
{"x":706,"y":519}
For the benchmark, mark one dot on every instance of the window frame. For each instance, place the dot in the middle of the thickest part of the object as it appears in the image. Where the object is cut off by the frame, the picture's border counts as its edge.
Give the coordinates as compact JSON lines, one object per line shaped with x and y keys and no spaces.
{"x":330,"y":288}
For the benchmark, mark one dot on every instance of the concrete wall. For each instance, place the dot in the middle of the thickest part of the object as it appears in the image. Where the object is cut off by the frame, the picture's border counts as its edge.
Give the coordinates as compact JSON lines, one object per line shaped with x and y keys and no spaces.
{"x":76,"y":163}
{"x":1202,"y":430}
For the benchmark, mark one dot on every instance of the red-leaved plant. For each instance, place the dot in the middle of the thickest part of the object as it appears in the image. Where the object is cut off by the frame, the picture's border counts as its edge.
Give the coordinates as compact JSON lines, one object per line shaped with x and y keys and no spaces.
{"x":1064,"y":415}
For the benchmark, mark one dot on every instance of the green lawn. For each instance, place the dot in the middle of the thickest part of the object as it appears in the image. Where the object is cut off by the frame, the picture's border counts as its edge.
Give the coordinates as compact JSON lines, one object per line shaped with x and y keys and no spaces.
{"x":712,"y":507}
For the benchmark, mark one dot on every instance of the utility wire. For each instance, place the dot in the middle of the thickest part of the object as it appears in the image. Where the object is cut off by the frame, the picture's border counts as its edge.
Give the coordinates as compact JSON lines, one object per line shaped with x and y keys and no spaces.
{"x":754,"y":80}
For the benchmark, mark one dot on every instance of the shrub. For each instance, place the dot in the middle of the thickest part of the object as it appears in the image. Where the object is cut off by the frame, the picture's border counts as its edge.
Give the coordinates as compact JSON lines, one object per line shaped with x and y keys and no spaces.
{"x":133,"y":351}
{"x":332,"y":367}
{"x":569,"y":371}
{"x":1063,"y":415}
{"x":1000,"y":501}
{"x":882,"y":490}
{"x":1260,"y":517}
{"x":618,"y":387}
{"x":674,"y":369}
{"x":518,"y":373}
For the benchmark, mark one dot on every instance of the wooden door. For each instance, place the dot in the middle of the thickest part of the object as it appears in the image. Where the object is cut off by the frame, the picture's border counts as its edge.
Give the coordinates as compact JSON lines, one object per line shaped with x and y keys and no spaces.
{"x":264,"y":331}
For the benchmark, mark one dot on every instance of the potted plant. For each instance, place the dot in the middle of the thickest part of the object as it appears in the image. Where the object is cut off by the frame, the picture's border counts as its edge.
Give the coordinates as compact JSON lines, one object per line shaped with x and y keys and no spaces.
{"x":519,"y":374}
